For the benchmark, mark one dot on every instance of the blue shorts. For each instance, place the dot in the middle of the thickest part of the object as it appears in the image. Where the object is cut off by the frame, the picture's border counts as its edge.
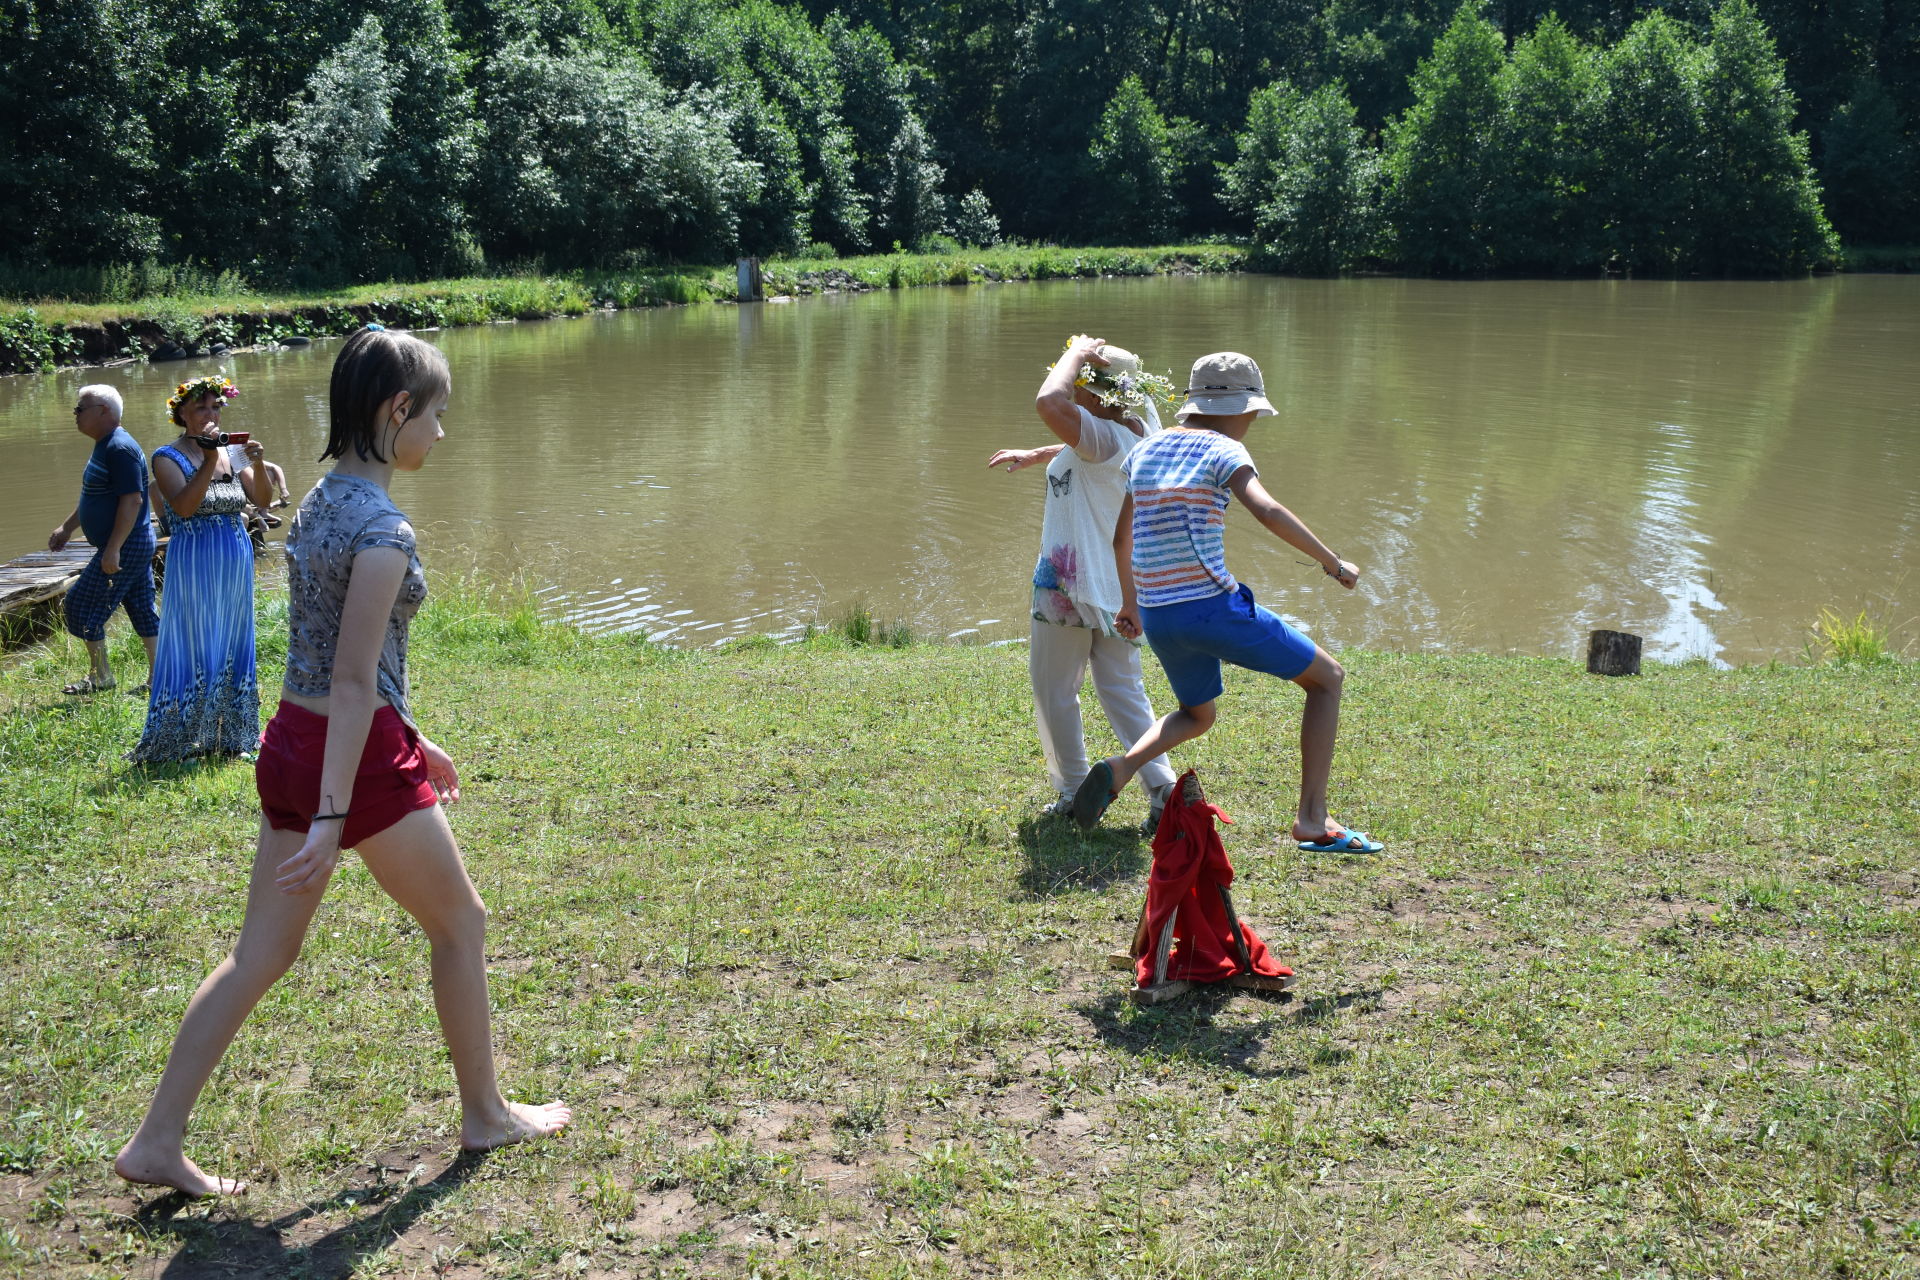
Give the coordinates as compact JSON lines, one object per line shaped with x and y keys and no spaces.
{"x":1194,"y":637}
{"x":94,"y":596}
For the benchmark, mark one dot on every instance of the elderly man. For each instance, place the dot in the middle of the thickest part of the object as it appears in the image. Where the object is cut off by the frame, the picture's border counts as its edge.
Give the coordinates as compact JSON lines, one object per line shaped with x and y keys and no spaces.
{"x":113,"y":513}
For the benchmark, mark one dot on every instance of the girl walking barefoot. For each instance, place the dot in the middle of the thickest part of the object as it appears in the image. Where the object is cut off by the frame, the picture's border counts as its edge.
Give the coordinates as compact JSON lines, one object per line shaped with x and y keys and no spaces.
{"x":342,"y":767}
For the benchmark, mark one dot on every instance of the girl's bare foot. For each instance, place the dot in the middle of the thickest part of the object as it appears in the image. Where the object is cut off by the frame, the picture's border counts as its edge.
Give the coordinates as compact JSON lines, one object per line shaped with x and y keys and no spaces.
{"x":172,"y":1169}
{"x":520,"y":1122}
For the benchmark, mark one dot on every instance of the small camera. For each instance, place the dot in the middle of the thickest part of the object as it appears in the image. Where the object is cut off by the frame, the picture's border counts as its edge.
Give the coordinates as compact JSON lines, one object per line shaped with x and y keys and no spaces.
{"x":221,"y":439}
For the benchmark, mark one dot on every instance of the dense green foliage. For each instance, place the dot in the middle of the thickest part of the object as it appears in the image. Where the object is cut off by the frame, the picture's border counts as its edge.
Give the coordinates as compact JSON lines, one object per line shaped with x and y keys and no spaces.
{"x":301,"y":145}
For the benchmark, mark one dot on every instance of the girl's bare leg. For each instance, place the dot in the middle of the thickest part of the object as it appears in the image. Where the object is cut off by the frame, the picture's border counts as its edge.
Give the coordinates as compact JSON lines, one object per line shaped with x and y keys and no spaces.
{"x":1319,"y":725}
{"x":418,"y":863}
{"x":275,"y":926}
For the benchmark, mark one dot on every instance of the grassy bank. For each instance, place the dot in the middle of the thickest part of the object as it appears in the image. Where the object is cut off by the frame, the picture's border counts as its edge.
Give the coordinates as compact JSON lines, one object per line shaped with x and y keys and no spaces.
{"x":198,"y":311}
{"x":1631,"y":993}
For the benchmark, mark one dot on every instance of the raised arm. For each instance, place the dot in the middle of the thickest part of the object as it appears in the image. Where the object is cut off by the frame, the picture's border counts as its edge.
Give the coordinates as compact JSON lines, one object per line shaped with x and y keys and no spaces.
{"x":352,"y":698}
{"x":182,"y":494}
{"x":1286,"y":526}
{"x":1055,"y":403}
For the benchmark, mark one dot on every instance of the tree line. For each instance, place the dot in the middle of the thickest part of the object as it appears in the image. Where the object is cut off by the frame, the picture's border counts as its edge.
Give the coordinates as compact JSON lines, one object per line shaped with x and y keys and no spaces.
{"x":306,"y":144}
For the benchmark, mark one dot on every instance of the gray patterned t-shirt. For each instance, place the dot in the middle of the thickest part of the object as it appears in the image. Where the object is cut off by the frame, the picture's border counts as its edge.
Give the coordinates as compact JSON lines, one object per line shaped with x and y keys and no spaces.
{"x":340,"y":518}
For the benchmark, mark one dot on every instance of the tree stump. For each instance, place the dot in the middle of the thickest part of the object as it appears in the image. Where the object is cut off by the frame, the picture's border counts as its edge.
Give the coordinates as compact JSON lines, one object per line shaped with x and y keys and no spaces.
{"x":1613,"y":653}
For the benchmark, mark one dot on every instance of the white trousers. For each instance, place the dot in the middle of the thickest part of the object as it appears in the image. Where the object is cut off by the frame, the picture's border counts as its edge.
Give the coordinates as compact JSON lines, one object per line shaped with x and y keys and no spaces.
{"x":1057,"y":659}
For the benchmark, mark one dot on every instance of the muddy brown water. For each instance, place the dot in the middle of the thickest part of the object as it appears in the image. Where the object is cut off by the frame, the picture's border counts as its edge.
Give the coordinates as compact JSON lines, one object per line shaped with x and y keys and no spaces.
{"x":1511,"y":463}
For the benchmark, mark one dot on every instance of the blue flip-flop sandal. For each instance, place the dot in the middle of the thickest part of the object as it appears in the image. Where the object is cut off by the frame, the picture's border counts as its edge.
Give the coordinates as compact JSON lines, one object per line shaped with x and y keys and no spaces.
{"x":1348,"y":841}
{"x":1095,"y":793}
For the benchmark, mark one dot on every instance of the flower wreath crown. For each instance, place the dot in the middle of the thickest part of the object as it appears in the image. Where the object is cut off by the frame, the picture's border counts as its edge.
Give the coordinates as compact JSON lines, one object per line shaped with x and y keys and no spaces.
{"x":1124,"y":382}
{"x":212,"y":384}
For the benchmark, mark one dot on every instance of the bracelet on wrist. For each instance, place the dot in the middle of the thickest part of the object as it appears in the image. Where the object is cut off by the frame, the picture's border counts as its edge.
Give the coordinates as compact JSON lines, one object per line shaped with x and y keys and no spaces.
{"x":328,"y":817}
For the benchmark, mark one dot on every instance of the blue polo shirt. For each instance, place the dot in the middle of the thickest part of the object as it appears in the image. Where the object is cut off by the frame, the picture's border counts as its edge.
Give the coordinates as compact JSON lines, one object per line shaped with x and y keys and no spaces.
{"x":116,"y":469}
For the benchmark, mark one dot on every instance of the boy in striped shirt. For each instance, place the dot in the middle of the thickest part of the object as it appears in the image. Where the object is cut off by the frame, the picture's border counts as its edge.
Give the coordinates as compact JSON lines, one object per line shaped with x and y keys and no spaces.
{"x":1179,"y":591}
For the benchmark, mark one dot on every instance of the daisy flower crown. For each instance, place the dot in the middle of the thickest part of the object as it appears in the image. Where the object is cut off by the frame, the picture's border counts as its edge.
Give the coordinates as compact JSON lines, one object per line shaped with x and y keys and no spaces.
{"x":1123,"y":382}
{"x":212,"y":385}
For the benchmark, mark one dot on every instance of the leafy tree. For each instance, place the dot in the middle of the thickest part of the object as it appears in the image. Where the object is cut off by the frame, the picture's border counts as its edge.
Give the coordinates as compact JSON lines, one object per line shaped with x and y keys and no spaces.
{"x":416,"y":210}
{"x":1307,"y":178}
{"x":1646,"y":127}
{"x":779,"y":73}
{"x":212,"y":189}
{"x":1130,"y":168}
{"x":1868,"y":169}
{"x":915,"y":209}
{"x":76,"y":151}
{"x":894,"y":171}
{"x":974,"y":223}
{"x":1373,"y":48}
{"x":1760,"y":211}
{"x":1537,"y":204}
{"x":587,"y":157}
{"x":1439,"y":164}
{"x":1260,"y":150}
{"x":333,"y":141}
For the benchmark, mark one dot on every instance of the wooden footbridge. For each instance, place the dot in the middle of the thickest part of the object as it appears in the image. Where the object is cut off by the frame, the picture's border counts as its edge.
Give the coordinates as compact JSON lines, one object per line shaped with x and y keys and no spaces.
{"x":32,"y":587}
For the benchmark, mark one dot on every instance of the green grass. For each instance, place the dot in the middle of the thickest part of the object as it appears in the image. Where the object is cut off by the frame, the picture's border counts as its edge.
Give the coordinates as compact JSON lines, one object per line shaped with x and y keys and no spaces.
{"x":1631,"y":993}
{"x":93,"y":315}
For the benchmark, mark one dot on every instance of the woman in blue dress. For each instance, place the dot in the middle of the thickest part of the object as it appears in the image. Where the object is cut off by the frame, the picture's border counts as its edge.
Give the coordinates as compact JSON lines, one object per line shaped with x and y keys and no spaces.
{"x":204,"y":698}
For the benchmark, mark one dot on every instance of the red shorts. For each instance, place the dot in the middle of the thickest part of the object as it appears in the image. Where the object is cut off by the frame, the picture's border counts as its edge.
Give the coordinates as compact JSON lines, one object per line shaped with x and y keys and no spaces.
{"x":390,"y":783}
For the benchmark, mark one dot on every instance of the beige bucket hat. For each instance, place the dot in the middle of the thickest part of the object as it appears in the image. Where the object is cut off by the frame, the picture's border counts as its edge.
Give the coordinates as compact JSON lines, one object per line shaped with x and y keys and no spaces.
{"x":1225,"y":383}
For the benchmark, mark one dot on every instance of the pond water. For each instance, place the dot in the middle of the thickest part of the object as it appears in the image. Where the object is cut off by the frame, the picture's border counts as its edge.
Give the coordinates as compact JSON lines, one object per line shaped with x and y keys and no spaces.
{"x":1511,"y":463}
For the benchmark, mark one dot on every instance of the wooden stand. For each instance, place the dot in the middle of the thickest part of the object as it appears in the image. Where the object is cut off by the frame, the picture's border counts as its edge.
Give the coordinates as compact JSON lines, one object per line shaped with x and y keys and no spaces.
{"x":1613,"y":653}
{"x":1163,"y":989}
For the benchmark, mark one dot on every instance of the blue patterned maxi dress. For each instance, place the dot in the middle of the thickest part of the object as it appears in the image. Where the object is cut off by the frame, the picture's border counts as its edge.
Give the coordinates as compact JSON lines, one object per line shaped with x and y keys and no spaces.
{"x":205,"y":699}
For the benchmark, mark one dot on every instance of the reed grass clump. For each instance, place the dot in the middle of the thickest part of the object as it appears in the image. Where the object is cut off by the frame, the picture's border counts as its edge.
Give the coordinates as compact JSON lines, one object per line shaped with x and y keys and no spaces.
{"x":1861,"y":639}
{"x":858,"y":625}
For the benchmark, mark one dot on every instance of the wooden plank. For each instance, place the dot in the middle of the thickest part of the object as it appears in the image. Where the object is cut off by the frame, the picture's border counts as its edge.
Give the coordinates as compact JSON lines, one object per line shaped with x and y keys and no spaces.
{"x":1233,"y":923}
{"x":1165,"y":948}
{"x":1261,"y":982}
{"x":1161,"y":992}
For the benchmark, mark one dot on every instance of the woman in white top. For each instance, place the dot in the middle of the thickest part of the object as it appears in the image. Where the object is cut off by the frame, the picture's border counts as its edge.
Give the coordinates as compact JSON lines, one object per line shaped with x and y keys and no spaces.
{"x":1096,"y":399}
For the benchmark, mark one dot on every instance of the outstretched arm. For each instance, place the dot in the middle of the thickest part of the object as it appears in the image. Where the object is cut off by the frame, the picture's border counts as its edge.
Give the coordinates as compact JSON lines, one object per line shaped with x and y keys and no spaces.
{"x":1016,"y":459}
{"x":1286,"y":526}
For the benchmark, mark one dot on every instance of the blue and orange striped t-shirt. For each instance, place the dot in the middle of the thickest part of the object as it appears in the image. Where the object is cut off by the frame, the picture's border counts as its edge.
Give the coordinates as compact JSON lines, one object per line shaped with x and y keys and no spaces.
{"x":1179,"y":484}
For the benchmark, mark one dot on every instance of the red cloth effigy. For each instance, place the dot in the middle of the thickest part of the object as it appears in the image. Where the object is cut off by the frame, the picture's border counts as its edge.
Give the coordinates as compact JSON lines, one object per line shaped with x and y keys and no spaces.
{"x":1190,"y":873}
